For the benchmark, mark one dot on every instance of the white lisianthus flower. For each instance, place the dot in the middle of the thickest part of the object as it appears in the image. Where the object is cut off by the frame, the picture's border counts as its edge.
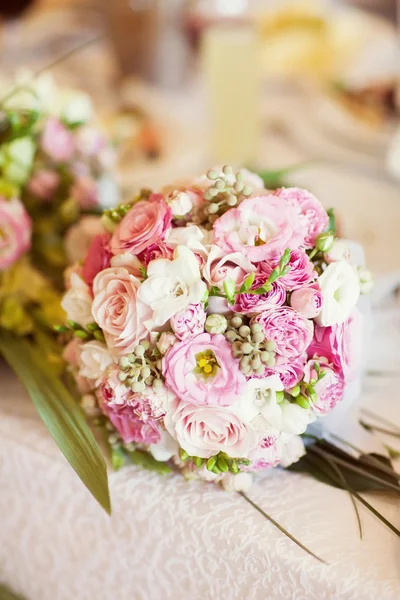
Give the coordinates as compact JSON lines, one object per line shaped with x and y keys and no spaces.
{"x":171,"y":285}
{"x":95,"y":358}
{"x":340,"y":288}
{"x":77,"y":302}
{"x":192,"y":237}
{"x":292,"y":451}
{"x":180,"y":202}
{"x":339,"y":251}
{"x":287,"y":417}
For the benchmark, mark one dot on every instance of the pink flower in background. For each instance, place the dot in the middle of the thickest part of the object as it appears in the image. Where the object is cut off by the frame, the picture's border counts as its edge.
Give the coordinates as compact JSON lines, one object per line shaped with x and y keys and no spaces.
{"x":145,"y":224}
{"x":117,"y":309}
{"x":57,"y":141}
{"x":44,"y":184}
{"x":15,"y":231}
{"x":289,"y":373}
{"x":221,"y":266}
{"x":85,"y":192}
{"x":189,"y":322}
{"x":261,"y":228}
{"x":341,"y":344}
{"x":301,"y":270}
{"x":329,"y":390}
{"x":98,"y":257}
{"x":202,"y":370}
{"x":307,"y":301}
{"x":206,"y":430}
{"x":156,"y":250}
{"x":257,"y":303}
{"x":291,"y":332}
{"x":316,"y":218}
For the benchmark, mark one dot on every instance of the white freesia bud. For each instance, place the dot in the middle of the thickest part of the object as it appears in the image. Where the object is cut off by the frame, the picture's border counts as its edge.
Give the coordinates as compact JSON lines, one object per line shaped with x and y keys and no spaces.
{"x":166,"y":341}
{"x":216,"y":324}
{"x":366,"y":280}
{"x":339,"y":251}
{"x":180,"y":203}
{"x":340,"y":289}
{"x":89,"y":405}
{"x":292,"y":451}
{"x":324,"y":242}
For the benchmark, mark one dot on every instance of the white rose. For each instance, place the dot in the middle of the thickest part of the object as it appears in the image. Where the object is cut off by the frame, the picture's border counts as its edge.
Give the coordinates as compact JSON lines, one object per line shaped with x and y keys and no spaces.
{"x":292,"y":451}
{"x":340,"y":288}
{"x":171,"y":285}
{"x":220,"y":266}
{"x":339,"y":251}
{"x":94,"y":359}
{"x":180,"y":202}
{"x":191,"y":237}
{"x":77,"y":302}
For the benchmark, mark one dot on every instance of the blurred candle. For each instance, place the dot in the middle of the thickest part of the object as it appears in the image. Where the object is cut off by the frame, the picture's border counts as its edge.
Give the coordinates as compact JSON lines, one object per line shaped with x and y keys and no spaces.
{"x":230,"y":58}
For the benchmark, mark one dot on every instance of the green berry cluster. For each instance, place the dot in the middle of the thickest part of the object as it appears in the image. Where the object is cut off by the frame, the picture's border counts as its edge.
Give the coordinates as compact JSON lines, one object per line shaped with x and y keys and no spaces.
{"x":92,"y":331}
{"x":249,"y":344}
{"x":220,"y":463}
{"x":141,"y":368}
{"x":227,"y":190}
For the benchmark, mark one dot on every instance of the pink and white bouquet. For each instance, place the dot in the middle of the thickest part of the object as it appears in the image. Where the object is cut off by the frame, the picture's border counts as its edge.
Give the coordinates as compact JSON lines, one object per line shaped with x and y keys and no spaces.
{"x":210,"y":323}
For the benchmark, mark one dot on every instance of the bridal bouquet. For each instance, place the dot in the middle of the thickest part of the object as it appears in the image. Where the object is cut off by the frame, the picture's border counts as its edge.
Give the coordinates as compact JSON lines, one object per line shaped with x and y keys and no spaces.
{"x":211,"y":323}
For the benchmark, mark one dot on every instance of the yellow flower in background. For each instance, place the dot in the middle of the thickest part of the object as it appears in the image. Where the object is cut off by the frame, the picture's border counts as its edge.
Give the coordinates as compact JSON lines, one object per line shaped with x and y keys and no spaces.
{"x":13,"y":316}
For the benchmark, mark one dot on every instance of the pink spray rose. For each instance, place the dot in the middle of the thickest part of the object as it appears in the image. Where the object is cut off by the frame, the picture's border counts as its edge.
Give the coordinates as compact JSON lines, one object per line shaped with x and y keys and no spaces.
{"x":98,"y":257}
{"x":341,"y":344}
{"x":301,"y":270}
{"x":266,"y":455}
{"x":257,"y":303}
{"x":315,"y":215}
{"x":117,"y":309}
{"x":57,"y":141}
{"x":206,"y":430}
{"x":130,"y":427}
{"x":291,"y":332}
{"x":156,"y":250}
{"x":289,"y":373}
{"x":44,"y":184}
{"x":220,"y":266}
{"x":85,"y":192}
{"x":189,"y":322}
{"x":202,"y":370}
{"x":15,"y":231}
{"x":307,"y":301}
{"x":329,"y":390}
{"x":144,"y":225}
{"x":261,"y":228}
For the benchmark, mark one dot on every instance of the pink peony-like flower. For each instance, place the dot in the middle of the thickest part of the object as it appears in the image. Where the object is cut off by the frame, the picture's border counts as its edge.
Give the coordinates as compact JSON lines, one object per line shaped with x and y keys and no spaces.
{"x":15,"y":231}
{"x":117,"y":309}
{"x":156,"y":250}
{"x":98,"y":257}
{"x":44,"y":183}
{"x":301,"y":270}
{"x":145,"y":224}
{"x":289,"y":373}
{"x":291,"y":332}
{"x":189,"y":322}
{"x":329,"y":390}
{"x":307,"y":301}
{"x":261,"y":228}
{"x":341,"y":344}
{"x":202,"y":370}
{"x":57,"y":141}
{"x":315,"y":215}
{"x":206,"y":430}
{"x":130,"y":427}
{"x":85,"y":192}
{"x":221,"y":266}
{"x":266,"y":456}
{"x":257,"y":303}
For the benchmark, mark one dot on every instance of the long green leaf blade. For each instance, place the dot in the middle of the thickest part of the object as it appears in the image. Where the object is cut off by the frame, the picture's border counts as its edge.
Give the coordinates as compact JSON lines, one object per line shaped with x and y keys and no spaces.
{"x":60,"y":413}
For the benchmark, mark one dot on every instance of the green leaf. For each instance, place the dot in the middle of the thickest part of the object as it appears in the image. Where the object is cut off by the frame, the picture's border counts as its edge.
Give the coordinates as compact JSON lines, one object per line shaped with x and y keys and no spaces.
{"x":60,"y":413}
{"x":229,"y":288}
{"x":145,"y":460}
{"x":274,"y":276}
{"x":332,"y":220}
{"x":247,"y":283}
{"x":276,"y":178}
{"x":285,"y":259}
{"x":7,"y":594}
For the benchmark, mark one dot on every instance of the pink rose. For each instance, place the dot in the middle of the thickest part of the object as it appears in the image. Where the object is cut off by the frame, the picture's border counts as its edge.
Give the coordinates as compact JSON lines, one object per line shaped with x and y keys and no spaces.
{"x":291,"y":332}
{"x":341,"y":344}
{"x":202,"y":370}
{"x":15,"y":231}
{"x":144,"y":225}
{"x":189,"y":322}
{"x":206,"y":430}
{"x":57,"y":141}
{"x":44,"y":184}
{"x":220,"y":266}
{"x":257,"y":303}
{"x":117,"y":309}
{"x":85,"y":192}
{"x":261,"y":228}
{"x":301,"y":270}
{"x":130,"y":427}
{"x":329,"y":390}
{"x":156,"y":250}
{"x":315,"y":215}
{"x":97,"y":259}
{"x":307,"y":301}
{"x":289,"y":373}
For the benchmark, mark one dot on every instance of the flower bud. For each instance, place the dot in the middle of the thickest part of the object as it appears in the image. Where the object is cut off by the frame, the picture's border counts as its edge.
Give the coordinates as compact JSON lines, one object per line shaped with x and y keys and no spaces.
{"x":339,"y":251}
{"x":307,"y":301}
{"x":180,"y":203}
{"x":216,"y":324}
{"x":366,"y":280}
{"x":324,"y":241}
{"x":166,"y":341}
